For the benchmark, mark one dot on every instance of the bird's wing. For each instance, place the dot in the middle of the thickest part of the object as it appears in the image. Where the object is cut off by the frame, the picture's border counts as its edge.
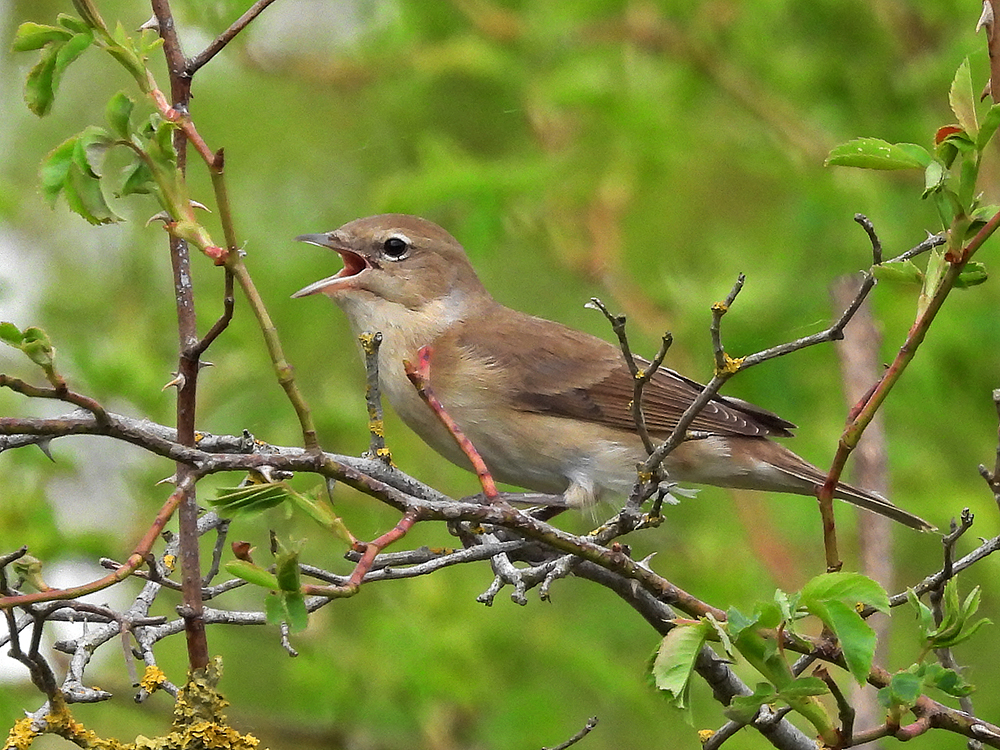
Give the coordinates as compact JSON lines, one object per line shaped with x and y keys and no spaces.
{"x":552,"y":369}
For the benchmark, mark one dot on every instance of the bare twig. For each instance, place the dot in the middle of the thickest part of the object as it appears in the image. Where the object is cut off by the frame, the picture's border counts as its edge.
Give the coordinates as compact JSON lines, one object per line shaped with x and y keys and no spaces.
{"x":587,"y":728}
{"x":220,"y":42}
{"x":370,"y":343}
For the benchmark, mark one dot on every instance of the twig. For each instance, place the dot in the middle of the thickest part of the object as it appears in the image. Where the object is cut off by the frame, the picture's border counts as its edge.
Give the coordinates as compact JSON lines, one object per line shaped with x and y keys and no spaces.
{"x":993,"y":477}
{"x":640,"y":375}
{"x":370,"y":343}
{"x":587,"y":728}
{"x":723,"y":364}
{"x":220,"y":42}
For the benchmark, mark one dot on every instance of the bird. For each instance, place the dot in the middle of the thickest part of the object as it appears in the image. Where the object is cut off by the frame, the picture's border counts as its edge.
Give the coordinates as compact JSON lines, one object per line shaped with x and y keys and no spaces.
{"x":546,"y":406}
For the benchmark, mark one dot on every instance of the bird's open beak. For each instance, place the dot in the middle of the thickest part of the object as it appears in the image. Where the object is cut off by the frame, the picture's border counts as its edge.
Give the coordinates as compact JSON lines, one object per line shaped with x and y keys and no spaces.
{"x":353,"y":265}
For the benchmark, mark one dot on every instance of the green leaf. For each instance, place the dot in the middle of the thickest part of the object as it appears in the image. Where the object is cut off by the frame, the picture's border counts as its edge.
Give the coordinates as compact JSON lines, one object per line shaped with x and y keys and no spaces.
{"x":743,"y":708}
{"x":902,"y":691}
{"x":72,"y":23}
{"x":37,"y":345}
{"x":925,"y":617}
{"x":88,"y":153}
{"x":68,"y":52}
{"x":899,"y":272}
{"x":252,"y":574}
{"x":55,"y":169}
{"x":321,"y":513}
{"x":834,"y":598}
{"x":935,"y":177}
{"x":963,"y":99}
{"x":39,"y":88}
{"x":31,"y":36}
{"x":118,"y":112}
{"x":973,"y":274}
{"x":251,"y":498}
{"x":874,"y":153}
{"x":851,"y":588}
{"x":10,"y":334}
{"x":296,"y":614}
{"x":84,"y":197}
{"x":802,"y":687}
{"x":675,"y":660}
{"x":857,"y":639}
{"x":946,"y":680}
{"x":991,"y":121}
{"x":289,"y":608}
{"x":161,"y":146}
{"x":138,"y":179}
{"x":274,"y":608}
{"x":737,"y":622}
{"x":125,"y":53}
{"x":287,"y":567}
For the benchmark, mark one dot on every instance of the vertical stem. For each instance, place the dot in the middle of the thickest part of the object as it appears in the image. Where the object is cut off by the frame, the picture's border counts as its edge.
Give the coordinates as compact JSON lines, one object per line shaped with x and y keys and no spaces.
{"x":188,"y":361}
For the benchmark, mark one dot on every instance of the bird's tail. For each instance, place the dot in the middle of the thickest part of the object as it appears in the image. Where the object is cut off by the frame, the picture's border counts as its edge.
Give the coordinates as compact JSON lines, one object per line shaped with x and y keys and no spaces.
{"x":877,"y":504}
{"x":795,"y":474}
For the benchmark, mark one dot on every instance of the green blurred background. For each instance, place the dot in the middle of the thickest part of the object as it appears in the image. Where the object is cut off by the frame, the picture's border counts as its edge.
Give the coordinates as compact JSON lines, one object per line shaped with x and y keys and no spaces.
{"x":642,"y":152}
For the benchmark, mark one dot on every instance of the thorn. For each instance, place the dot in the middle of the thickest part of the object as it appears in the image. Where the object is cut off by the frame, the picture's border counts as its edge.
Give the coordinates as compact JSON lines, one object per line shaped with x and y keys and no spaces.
{"x":153,"y":24}
{"x":172,"y":479}
{"x":43,"y":446}
{"x":986,"y":19}
{"x":202,"y":206}
{"x":161,"y":216}
{"x":177,"y":382}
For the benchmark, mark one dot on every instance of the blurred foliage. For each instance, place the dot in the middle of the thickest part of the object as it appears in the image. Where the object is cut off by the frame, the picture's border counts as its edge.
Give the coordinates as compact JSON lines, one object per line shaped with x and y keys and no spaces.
{"x":643,"y":152}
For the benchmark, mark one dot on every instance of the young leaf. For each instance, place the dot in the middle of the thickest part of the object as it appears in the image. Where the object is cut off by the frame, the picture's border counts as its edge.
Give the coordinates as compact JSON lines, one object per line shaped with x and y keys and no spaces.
{"x":925,"y":616}
{"x":31,"y":36}
{"x":675,"y":660}
{"x":68,"y":52}
{"x":286,"y":607}
{"x":39,"y":90}
{"x":252,"y":574}
{"x":85,"y":197}
{"x":251,"y":498}
{"x":963,"y":99}
{"x":118,"y":112}
{"x":125,"y":53}
{"x":857,"y":639}
{"x":55,"y":169}
{"x":900,"y":272}
{"x":36,"y":344}
{"x":874,"y":153}
{"x":10,"y":334}
{"x":743,"y":708}
{"x":72,"y":24}
{"x":287,"y":567}
{"x":946,"y":680}
{"x":802,"y":687}
{"x":934,"y":177}
{"x":90,"y":148}
{"x":833,"y":598}
{"x":991,"y":121}
{"x":902,"y":691}
{"x":851,"y":588}
{"x":973,"y":274}
{"x":296,"y":614}
{"x":138,"y":179}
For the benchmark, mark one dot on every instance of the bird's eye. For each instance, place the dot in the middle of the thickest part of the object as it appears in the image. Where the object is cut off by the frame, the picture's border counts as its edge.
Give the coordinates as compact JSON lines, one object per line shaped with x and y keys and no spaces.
{"x":395,"y":248}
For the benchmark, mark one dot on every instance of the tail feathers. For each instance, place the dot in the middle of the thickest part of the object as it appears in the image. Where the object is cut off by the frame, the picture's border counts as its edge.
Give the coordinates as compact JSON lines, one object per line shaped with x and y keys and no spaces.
{"x":878,"y":504}
{"x":798,"y":475}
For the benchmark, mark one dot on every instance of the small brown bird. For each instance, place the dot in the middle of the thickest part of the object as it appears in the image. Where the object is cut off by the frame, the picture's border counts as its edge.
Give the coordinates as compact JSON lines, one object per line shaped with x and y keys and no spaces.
{"x":546,"y":406}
